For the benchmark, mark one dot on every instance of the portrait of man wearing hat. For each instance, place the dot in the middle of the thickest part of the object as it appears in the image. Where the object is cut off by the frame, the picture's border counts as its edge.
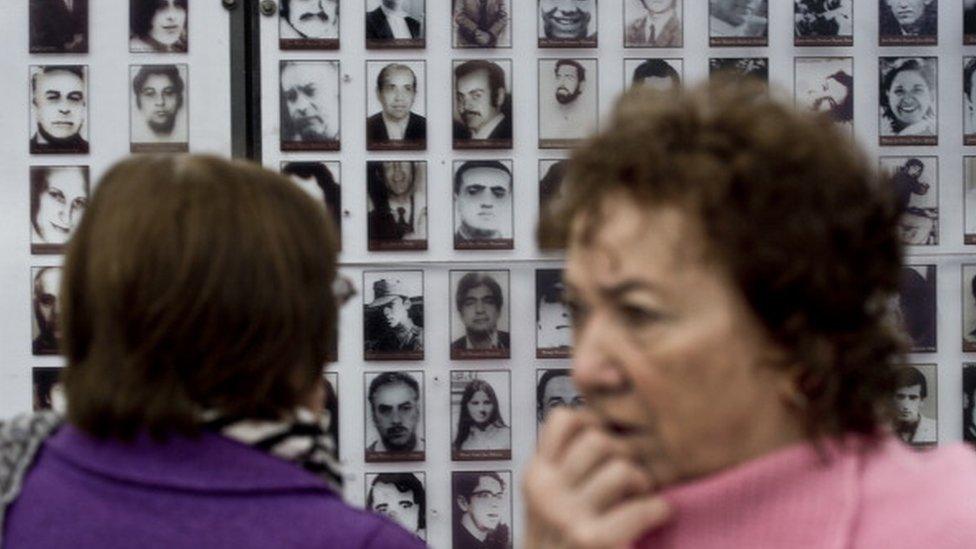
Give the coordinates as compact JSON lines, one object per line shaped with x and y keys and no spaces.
{"x":393,"y":319}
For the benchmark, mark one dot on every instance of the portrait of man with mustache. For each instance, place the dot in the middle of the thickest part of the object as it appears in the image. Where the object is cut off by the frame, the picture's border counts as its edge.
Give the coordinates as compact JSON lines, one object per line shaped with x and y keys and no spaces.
{"x":482,"y":104}
{"x":59,"y":109}
{"x":567,"y":24}
{"x":567,"y":101}
{"x":308,"y":24}
{"x":394,"y":404}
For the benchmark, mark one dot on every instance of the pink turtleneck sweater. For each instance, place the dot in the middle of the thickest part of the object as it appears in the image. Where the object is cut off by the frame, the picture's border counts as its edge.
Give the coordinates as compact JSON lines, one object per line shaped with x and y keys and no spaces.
{"x":889,"y":496}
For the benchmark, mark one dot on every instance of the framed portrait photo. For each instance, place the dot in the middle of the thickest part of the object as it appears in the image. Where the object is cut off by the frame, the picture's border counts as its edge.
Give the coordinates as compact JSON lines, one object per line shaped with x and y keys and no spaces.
{"x":322,"y":181}
{"x":655,"y":73}
{"x":915,"y":181}
{"x":653,"y":23}
{"x":481,"y":415}
{"x":916,"y":403}
{"x":308,"y":24}
{"x":47,"y":392}
{"x":564,"y":24}
{"x":396,"y":105}
{"x":159,"y":108}
{"x":482,"y":104}
{"x":969,"y":101}
{"x":481,"y":23}
{"x":393,"y":315}
{"x":58,"y":109}
{"x":394,"y":429}
{"x":908,"y":22}
{"x":483,"y":205}
{"x":908,"y":106}
{"x":554,"y":324}
{"x":58,"y":26}
{"x":401,"y":497}
{"x":568,"y":101}
{"x":392,"y":24}
{"x":396,"y":217}
{"x":159,"y":26}
{"x":826,"y":85}
{"x":969,"y":307}
{"x":487,"y":495}
{"x":969,"y":199}
{"x":917,"y":307}
{"x":45,"y":310}
{"x":480,"y":314}
{"x":823,"y":23}
{"x":58,"y":199}
{"x":309,"y":110}
{"x":554,"y":388}
{"x":738,"y":23}
{"x":748,"y":67}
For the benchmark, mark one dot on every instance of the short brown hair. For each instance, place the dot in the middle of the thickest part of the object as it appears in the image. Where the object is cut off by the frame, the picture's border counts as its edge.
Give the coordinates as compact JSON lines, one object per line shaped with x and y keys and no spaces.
{"x":789,"y":207}
{"x":194,"y":284}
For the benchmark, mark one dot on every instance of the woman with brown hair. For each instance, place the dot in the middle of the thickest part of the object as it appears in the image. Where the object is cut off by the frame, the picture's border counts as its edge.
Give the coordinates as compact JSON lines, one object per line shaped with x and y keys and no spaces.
{"x":197,"y":316}
{"x":730,"y":267}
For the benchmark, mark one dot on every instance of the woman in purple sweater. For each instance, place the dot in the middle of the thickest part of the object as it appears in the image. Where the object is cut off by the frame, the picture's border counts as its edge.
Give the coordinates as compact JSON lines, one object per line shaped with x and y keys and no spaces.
{"x":731,"y":269}
{"x":197,"y":309}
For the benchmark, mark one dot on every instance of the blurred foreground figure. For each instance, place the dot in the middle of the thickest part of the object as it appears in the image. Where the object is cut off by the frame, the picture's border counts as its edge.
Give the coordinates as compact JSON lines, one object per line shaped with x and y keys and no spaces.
{"x":730,"y":264}
{"x":195,"y":327}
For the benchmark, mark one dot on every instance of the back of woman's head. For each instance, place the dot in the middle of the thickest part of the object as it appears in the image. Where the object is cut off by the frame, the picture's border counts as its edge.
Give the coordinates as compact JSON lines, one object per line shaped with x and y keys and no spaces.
{"x":194,"y":284}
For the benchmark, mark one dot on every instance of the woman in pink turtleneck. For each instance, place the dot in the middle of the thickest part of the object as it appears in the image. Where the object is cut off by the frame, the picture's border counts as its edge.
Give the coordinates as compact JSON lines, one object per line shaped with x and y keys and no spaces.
{"x":730,"y":265}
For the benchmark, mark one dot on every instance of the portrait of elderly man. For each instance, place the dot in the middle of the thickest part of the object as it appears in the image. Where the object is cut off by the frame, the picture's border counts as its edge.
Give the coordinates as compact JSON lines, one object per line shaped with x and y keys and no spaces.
{"x":59,"y":109}
{"x":480,"y":309}
{"x":567,"y":23}
{"x":554,"y":329}
{"x":46,"y":302}
{"x":396,"y":125}
{"x":823,"y":22}
{"x":397,"y":208}
{"x":483,"y":205}
{"x":910,"y":397}
{"x":309,"y":98}
{"x":481,"y":510}
{"x":401,"y":497}
{"x":482,"y":104}
{"x":738,"y":22}
{"x":393,"y":322}
{"x":554,"y":388}
{"x":908,"y":22}
{"x":319,"y":180}
{"x":394,"y":23}
{"x":916,"y":196}
{"x":653,"y":24}
{"x":826,"y":85}
{"x":657,"y":74}
{"x":482,"y":24}
{"x":308,"y":24}
{"x":58,"y":198}
{"x":395,"y":413}
{"x":58,"y":26}
{"x":567,"y":101}
{"x":159,"y":117}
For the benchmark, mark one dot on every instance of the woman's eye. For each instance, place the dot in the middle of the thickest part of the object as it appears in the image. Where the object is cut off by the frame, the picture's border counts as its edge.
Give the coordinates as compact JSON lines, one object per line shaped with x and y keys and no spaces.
{"x":639,"y":315}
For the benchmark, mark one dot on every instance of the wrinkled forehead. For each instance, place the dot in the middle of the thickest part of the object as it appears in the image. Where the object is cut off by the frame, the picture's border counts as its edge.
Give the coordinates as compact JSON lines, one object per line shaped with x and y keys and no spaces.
{"x":293,"y":75}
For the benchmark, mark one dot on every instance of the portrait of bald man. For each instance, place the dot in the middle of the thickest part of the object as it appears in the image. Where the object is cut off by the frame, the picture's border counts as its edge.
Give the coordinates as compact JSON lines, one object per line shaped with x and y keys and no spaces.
{"x":394,"y":24}
{"x":396,"y":103}
{"x":59,"y":109}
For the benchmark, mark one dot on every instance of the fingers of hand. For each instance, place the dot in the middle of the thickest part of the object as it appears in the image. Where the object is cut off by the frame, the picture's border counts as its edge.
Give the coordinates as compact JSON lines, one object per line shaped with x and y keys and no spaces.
{"x":561,"y":427}
{"x":614,"y":482}
{"x":622,"y":525}
{"x":588,"y":451}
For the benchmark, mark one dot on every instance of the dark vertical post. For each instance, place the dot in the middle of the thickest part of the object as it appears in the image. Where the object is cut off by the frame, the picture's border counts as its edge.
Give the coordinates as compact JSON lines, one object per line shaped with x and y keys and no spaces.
{"x":245,"y":78}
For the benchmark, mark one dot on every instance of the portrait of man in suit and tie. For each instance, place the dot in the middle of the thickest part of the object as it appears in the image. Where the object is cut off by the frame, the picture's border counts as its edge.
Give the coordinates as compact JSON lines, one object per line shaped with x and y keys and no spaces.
{"x":395,"y":24}
{"x":482,"y":24}
{"x":482,"y":104}
{"x":396,"y":102}
{"x":653,"y":24}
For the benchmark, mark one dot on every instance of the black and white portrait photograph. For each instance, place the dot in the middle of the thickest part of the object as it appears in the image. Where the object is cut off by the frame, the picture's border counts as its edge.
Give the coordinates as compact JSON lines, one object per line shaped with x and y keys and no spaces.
{"x":321,"y":180}
{"x":309,"y":97}
{"x":969,"y":199}
{"x":481,"y":415}
{"x":551,"y":173}
{"x":482,"y":23}
{"x":554,"y":329}
{"x":567,"y":23}
{"x":483,"y":104}
{"x":969,"y":22}
{"x":969,"y":402}
{"x":738,"y":23}
{"x":158,"y":26}
{"x":554,"y":388}
{"x":59,"y":109}
{"x":568,"y":101}
{"x":916,"y":310}
{"x":483,"y":209}
{"x":393,"y":315}
{"x":969,"y":100}
{"x":395,"y":24}
{"x":481,"y":509}
{"x":330,"y":403}
{"x":396,"y":205}
{"x":396,"y":105}
{"x":58,"y":26}
{"x":159,"y":113}
{"x":916,"y":401}
{"x":969,"y":308}
{"x":908,"y":102}
{"x":58,"y":198}
{"x":823,"y":22}
{"x":480,"y":317}
{"x":653,"y":24}
{"x":394,"y":416}
{"x":47,"y":390}
{"x":400,"y":497}
{"x":826,"y":85}
{"x":908,"y":22}
{"x":46,"y":310}
{"x":308,"y":24}
{"x":657,"y":74}
{"x":915,"y":181}
{"x":749,"y":67}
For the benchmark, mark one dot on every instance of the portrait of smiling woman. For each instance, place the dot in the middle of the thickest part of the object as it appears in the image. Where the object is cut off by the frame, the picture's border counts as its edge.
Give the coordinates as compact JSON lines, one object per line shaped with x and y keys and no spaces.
{"x":909,"y":98}
{"x":158,"y":25}
{"x":58,"y":198}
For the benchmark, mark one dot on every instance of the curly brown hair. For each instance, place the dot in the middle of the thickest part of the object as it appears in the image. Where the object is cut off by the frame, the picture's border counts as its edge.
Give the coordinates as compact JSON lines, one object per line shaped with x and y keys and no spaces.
{"x":789,"y":206}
